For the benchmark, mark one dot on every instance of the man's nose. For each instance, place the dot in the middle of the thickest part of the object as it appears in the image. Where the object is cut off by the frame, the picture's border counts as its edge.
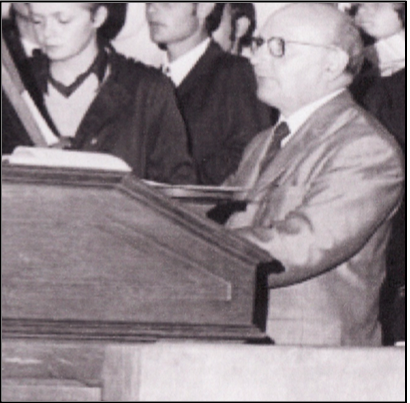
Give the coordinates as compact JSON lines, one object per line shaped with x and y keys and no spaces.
{"x":365,"y":9}
{"x":151,"y":8}
{"x":259,"y":55}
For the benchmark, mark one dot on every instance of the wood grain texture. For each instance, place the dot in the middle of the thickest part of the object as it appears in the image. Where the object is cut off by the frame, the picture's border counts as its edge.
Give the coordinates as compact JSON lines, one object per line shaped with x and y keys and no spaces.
{"x":195,"y":371}
{"x":33,"y":390}
{"x":96,"y":256}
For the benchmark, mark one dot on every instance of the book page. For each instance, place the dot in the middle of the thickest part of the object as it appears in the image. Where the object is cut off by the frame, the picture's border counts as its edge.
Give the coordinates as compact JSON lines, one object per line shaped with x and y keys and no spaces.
{"x":45,"y":157}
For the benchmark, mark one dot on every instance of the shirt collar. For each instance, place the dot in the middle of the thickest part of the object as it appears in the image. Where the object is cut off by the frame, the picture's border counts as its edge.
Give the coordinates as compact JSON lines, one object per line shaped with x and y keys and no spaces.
{"x":296,"y":120}
{"x":98,"y":67}
{"x":181,"y":67}
{"x":391,"y":53}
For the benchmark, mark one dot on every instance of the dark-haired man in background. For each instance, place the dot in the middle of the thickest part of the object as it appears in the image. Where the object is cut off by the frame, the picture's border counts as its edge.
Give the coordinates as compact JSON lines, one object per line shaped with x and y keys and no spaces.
{"x":216,"y":91}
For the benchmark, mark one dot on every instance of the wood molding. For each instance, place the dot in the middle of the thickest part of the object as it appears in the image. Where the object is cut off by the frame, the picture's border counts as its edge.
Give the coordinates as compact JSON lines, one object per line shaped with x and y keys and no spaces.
{"x":101,"y":256}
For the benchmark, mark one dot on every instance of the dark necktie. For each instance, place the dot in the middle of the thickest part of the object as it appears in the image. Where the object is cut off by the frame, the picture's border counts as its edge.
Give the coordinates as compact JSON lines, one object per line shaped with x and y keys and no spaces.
{"x":281,"y":132}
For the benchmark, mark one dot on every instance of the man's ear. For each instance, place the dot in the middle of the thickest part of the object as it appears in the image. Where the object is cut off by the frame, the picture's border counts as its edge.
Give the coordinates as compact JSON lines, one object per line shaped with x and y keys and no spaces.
{"x":337,"y":62}
{"x":204,"y":10}
{"x":242,"y":27}
{"x":100,"y":16}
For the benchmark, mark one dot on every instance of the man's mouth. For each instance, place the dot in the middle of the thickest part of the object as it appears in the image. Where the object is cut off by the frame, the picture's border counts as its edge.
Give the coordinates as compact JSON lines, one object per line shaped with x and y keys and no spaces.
{"x":365,"y":23}
{"x":155,"y":24}
{"x":262,"y":74}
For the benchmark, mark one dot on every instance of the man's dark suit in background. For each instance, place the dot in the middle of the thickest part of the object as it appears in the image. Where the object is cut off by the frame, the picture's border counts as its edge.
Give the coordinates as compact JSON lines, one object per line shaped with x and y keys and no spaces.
{"x":222,"y":113}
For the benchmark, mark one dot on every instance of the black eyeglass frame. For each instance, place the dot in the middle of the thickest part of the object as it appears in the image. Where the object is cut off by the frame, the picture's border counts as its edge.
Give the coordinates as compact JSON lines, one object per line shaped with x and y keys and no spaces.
{"x":278,"y":49}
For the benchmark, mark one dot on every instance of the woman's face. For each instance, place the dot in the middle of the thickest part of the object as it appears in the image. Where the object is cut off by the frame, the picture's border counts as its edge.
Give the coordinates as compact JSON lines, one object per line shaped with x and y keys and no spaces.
{"x":379,"y":20}
{"x":64,"y":30}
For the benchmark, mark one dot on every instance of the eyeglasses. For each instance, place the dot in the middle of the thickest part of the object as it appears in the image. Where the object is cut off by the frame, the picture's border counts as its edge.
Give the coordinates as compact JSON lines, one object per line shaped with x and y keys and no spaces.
{"x":277,"y":46}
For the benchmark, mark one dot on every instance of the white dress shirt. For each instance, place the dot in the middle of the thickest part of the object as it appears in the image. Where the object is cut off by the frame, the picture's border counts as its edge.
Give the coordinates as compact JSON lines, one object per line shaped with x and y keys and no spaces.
{"x":180,"y":68}
{"x":296,"y":120}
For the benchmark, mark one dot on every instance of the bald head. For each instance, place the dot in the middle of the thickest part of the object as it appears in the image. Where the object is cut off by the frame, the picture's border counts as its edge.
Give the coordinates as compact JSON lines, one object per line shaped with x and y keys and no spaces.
{"x":322,"y":23}
{"x":315,"y":20}
{"x":309,"y":51}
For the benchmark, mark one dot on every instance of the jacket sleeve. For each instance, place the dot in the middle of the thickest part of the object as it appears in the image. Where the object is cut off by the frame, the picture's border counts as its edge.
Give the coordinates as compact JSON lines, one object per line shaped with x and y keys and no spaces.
{"x":243,"y":116}
{"x":168,"y":158}
{"x":357,"y":190}
{"x":14,"y":133}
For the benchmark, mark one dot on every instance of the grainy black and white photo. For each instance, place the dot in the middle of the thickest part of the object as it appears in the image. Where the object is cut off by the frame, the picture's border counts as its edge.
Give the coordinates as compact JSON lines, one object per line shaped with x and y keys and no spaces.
{"x":203,"y":201}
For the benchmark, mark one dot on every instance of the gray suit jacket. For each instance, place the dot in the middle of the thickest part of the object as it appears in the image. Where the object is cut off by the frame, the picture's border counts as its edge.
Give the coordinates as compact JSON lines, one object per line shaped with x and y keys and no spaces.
{"x":323,"y":207}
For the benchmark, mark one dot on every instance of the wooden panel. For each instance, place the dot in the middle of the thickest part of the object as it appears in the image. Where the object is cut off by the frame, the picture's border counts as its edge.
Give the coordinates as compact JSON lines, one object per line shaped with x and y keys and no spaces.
{"x":238,"y":373}
{"x":89,"y":257}
{"x":112,"y":367}
{"x":194,"y":371}
{"x":34,"y":390}
{"x":32,"y":359}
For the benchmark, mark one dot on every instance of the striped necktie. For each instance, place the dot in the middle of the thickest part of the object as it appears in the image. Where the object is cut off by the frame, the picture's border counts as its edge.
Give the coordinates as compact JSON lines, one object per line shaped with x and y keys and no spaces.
{"x":281,"y":132}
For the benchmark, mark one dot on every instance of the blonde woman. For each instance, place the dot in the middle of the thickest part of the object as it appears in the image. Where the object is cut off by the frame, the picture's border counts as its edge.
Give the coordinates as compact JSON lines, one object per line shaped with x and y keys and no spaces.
{"x":100,"y":101}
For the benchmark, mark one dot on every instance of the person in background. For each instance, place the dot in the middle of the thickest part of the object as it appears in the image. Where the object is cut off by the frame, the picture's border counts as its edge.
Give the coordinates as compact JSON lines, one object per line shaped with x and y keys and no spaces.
{"x":21,"y":40}
{"x":216,"y":91}
{"x":136,"y":31}
{"x":18,"y":31}
{"x":116,"y":16}
{"x":238,"y":24}
{"x":385,"y":97}
{"x":99,"y":101}
{"x":324,"y":184}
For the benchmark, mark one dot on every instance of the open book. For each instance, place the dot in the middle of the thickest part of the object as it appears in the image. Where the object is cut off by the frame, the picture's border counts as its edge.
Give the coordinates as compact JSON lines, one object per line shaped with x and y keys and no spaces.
{"x":56,"y":158}
{"x":210,"y":193}
{"x":46,"y":157}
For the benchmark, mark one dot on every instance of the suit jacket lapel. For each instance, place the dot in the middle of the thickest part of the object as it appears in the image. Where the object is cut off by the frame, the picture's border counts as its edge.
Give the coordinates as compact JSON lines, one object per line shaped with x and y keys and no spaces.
{"x":248,"y":172}
{"x":204,"y":66}
{"x":110,"y":101}
{"x":314,"y":129}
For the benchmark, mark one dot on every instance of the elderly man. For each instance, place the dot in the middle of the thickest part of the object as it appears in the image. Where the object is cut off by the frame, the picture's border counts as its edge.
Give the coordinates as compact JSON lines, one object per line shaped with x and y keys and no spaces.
{"x":323,"y":185}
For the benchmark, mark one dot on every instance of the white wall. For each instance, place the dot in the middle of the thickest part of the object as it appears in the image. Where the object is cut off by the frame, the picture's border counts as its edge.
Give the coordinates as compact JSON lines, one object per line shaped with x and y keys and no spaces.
{"x":134,"y":40}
